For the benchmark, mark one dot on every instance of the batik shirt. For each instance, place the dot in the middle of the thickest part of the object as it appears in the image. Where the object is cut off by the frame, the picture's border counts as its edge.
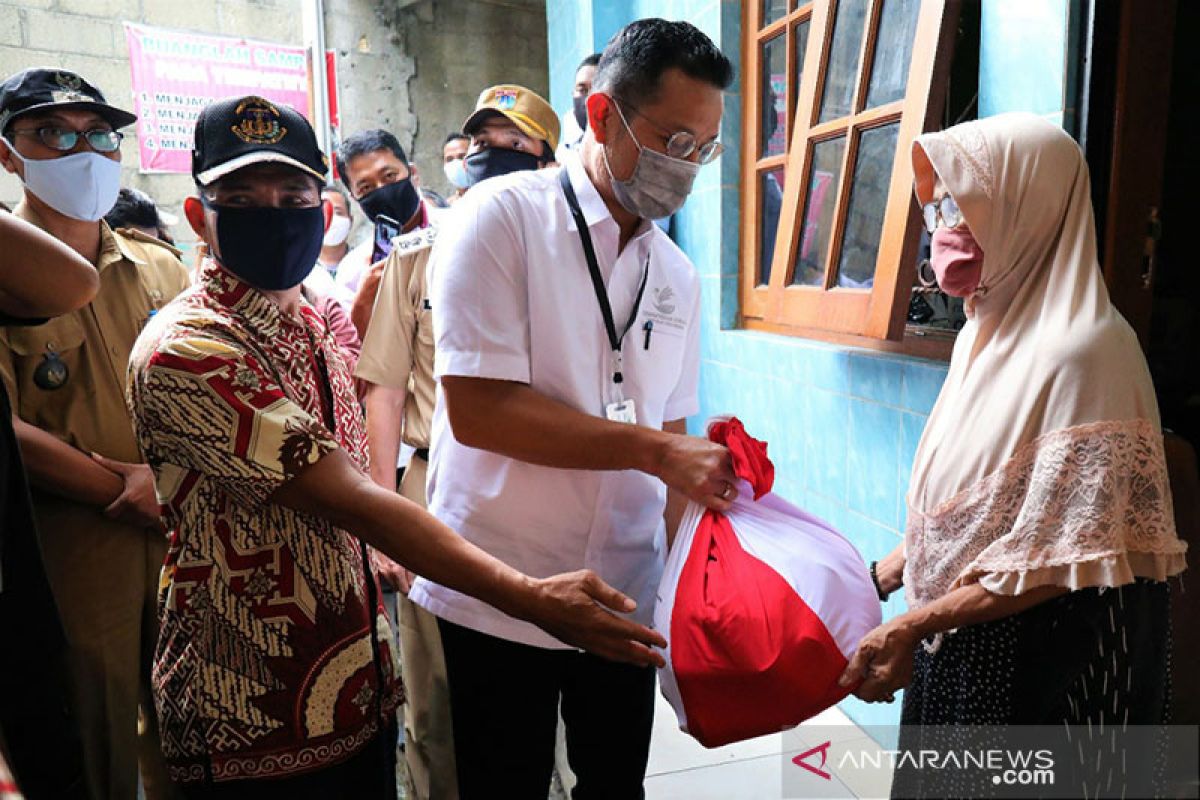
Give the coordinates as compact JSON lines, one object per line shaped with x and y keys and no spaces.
{"x":274,"y":655}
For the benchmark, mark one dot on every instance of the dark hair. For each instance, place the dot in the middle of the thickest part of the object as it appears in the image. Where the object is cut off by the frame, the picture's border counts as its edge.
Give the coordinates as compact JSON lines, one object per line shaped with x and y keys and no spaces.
{"x":133,"y":209}
{"x":367,"y":142}
{"x":454,"y":136}
{"x":589,"y":61}
{"x":634,"y":60}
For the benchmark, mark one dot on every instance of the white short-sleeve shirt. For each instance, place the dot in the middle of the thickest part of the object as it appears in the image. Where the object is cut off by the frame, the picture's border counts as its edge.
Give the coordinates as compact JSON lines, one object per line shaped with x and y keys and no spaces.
{"x":513,"y":300}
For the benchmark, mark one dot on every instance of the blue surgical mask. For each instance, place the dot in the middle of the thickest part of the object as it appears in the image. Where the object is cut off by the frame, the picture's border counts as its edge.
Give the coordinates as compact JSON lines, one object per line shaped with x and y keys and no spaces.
{"x":82,"y":185}
{"x":456,"y":173}
{"x":269,"y":248}
{"x":494,"y":161}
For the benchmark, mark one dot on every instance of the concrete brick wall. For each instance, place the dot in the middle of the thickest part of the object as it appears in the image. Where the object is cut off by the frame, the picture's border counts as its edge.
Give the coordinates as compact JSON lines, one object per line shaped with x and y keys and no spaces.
{"x":88,"y":37}
{"x":412,"y":68}
{"x":458,"y":48}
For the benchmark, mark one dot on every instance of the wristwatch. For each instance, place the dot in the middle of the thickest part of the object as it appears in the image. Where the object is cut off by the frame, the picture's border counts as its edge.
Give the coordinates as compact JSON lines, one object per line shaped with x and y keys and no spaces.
{"x":875,"y":580}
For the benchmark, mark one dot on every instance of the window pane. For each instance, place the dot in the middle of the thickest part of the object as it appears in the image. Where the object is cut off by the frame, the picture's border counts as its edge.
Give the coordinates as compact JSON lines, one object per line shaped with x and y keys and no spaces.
{"x":774,"y":97}
{"x":868,"y":202}
{"x":772,"y":10}
{"x":801,"y":46}
{"x":893,"y":51}
{"x":771,"y":193}
{"x":818,"y":214}
{"x":842,"y":73}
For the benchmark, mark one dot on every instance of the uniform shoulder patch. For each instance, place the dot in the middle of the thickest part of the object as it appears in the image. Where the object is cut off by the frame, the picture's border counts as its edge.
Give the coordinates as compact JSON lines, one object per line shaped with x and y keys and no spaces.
{"x":146,"y":239}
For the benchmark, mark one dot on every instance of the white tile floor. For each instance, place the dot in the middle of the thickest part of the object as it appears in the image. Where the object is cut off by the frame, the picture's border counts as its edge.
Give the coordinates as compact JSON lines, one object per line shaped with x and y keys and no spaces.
{"x":683,"y":769}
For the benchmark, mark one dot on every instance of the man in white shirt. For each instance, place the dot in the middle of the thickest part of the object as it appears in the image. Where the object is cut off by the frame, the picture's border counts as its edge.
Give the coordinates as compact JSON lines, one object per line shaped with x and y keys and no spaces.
{"x":534,"y":456}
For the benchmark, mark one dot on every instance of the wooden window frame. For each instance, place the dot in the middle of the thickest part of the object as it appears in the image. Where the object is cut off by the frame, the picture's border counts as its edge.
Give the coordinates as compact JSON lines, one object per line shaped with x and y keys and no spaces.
{"x":872,"y":317}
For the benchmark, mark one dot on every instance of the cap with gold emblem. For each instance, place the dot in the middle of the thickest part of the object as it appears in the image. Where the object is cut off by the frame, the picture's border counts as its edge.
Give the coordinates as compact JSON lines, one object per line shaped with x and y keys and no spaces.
{"x":526,"y":108}
{"x":240,"y":131}
{"x":45,"y":88}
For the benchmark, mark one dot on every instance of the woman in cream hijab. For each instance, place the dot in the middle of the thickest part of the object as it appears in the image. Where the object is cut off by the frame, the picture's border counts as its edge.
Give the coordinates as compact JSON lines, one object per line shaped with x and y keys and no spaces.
{"x":1040,"y":480}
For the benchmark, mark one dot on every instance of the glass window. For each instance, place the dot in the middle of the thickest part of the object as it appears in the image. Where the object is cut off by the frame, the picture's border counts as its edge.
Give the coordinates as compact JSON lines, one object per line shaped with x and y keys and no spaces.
{"x":773,"y":10}
{"x":868,"y":202}
{"x":818,"y":217}
{"x":893,"y":51}
{"x":837,"y":128}
{"x":771,"y":192}
{"x":842,"y":70}
{"x":774,"y":97}
{"x":800,"y":40}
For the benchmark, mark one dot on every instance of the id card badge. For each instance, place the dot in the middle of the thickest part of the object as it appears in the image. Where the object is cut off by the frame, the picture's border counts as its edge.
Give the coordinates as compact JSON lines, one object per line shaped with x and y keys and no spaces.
{"x":621,"y":411}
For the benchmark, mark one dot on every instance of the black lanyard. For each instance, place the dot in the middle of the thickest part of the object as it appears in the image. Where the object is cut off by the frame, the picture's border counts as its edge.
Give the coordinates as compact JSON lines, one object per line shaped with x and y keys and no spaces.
{"x":589,"y":253}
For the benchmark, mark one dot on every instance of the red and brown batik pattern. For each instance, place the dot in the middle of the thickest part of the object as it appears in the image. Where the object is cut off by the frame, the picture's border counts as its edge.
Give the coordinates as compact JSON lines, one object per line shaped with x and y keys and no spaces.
{"x":265,"y":664}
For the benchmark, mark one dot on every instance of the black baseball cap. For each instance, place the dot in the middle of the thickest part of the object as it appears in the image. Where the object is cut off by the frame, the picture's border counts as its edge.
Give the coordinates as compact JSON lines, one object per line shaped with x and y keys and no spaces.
{"x":42,"y":88}
{"x":240,"y":131}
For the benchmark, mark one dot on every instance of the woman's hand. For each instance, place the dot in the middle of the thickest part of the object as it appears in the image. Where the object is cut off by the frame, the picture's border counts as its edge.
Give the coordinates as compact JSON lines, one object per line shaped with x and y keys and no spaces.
{"x":889,"y":570}
{"x":883,"y":662}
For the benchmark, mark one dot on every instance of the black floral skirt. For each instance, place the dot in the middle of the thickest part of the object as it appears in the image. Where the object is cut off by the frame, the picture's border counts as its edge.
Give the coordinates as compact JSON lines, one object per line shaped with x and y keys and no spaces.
{"x":1091,"y":658}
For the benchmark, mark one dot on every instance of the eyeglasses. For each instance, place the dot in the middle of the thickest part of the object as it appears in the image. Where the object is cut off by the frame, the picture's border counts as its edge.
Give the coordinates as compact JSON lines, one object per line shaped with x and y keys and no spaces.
{"x":64,"y":139}
{"x":682,"y":144}
{"x":944,"y":209}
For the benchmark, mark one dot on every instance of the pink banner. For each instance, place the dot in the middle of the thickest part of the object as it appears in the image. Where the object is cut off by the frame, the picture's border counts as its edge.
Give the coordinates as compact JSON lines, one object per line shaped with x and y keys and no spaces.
{"x":176,"y":74}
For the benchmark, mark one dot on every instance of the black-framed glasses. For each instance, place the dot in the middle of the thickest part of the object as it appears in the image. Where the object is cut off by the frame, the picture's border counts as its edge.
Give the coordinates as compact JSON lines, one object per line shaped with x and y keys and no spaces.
{"x":944,"y":209}
{"x":99,"y":139}
{"x":682,"y":144}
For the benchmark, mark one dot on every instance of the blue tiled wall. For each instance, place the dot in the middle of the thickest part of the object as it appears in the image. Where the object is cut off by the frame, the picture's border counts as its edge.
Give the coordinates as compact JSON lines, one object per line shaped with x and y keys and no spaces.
{"x":569,"y":27}
{"x":842,"y":423}
{"x":1022,"y":58}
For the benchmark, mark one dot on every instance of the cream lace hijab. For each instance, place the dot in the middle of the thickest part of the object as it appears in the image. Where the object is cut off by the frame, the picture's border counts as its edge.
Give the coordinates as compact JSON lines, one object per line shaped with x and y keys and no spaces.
{"x":1042,"y":460}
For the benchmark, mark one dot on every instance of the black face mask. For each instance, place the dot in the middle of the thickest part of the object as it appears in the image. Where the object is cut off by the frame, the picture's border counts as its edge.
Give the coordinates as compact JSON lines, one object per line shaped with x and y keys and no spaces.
{"x":398,"y":200}
{"x":269,"y":248}
{"x":494,"y":161}
{"x":580,"y":109}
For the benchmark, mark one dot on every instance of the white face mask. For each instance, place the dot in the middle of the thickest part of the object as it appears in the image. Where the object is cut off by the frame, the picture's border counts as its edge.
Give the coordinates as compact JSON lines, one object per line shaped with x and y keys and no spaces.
{"x":456,"y":173}
{"x":338,"y":231}
{"x":82,"y":185}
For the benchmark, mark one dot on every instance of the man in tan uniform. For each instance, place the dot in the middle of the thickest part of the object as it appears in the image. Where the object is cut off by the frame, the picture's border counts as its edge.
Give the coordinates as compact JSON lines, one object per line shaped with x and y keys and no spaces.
{"x":94,"y":502}
{"x":397,"y":364}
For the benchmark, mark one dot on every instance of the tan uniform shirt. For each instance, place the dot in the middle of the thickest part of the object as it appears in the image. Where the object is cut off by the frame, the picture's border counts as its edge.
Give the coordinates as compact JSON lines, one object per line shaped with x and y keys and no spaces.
{"x":67,"y":377}
{"x":397,"y":351}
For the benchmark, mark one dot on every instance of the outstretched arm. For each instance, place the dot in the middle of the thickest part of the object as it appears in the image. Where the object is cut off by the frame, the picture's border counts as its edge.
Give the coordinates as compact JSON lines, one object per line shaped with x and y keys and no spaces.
{"x":572,"y":607}
{"x":39,"y":275}
{"x":883,"y":662}
{"x":540,"y":430}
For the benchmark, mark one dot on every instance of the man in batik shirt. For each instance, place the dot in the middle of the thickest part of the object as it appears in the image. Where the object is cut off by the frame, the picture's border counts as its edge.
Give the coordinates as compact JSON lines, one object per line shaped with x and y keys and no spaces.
{"x":275,"y":673}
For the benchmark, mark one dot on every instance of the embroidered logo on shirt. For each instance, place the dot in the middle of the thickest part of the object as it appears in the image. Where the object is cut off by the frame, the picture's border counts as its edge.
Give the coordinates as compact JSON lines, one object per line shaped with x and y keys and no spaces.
{"x":662,"y":300}
{"x":664,"y":304}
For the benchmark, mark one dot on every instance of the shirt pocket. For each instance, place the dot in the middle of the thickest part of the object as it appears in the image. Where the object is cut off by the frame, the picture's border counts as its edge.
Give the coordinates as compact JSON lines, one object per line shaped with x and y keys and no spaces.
{"x":50,"y":368}
{"x":657,"y":360}
{"x":424,"y":335}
